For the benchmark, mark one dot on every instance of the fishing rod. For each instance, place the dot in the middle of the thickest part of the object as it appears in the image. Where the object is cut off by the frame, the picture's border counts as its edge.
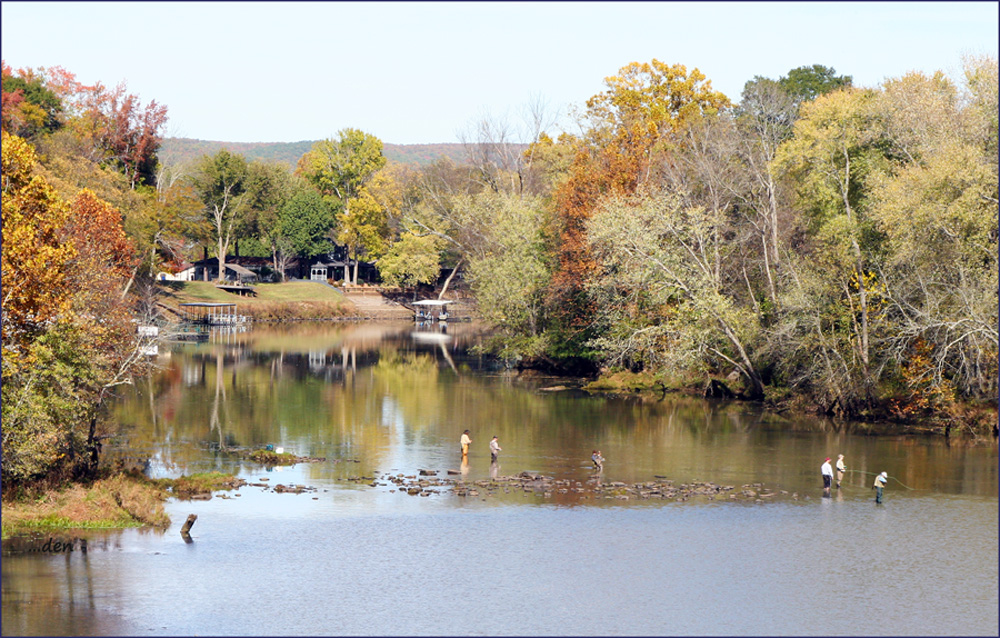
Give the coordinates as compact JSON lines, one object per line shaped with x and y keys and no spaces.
{"x":877,"y":473}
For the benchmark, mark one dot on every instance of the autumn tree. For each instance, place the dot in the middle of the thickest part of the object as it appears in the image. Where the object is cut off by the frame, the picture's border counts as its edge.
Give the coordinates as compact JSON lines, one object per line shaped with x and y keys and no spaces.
{"x":364,"y":225}
{"x":30,"y":108}
{"x":68,"y":334}
{"x":412,"y":259}
{"x":625,"y":129}
{"x":35,"y":258}
{"x":102,"y":312}
{"x":938,"y":212}
{"x":125,"y":133}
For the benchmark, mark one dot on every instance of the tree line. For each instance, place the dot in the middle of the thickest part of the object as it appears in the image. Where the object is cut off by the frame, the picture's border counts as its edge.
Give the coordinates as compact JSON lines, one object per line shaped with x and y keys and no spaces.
{"x":814,"y":239}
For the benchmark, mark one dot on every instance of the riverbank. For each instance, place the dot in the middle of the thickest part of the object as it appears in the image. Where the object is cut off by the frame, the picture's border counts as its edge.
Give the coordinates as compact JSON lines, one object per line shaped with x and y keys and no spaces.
{"x":288,"y":301}
{"x":961,"y":419}
{"x":318,"y":301}
{"x":116,"y":501}
{"x":272,"y":302}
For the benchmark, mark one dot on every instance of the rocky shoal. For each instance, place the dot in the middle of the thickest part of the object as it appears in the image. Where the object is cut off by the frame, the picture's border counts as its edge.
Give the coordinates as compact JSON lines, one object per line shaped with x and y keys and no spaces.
{"x":427,"y":483}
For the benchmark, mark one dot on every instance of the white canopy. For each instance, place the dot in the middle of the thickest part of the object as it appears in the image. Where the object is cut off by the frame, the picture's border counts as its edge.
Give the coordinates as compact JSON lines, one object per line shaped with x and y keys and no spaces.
{"x":432,"y":302}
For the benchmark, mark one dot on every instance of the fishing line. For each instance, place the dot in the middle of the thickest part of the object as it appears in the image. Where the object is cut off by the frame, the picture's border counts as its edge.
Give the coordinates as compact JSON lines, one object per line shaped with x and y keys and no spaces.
{"x":876,"y":474}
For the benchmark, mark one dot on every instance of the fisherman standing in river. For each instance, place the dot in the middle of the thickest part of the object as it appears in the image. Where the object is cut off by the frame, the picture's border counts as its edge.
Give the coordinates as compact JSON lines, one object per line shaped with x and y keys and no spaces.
{"x":598,"y":460}
{"x":494,"y":449}
{"x":841,"y":468}
{"x":880,"y":481}
{"x":827,"y":470}
{"x":466,"y":441}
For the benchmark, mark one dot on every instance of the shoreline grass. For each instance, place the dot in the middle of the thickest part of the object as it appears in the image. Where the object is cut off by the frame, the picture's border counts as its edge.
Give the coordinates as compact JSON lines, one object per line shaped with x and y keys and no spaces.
{"x":120,"y":501}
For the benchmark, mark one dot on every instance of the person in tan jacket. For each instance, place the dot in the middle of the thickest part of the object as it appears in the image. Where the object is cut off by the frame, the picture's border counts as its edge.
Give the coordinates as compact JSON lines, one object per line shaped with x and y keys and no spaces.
{"x":880,"y":481}
{"x":841,"y":468}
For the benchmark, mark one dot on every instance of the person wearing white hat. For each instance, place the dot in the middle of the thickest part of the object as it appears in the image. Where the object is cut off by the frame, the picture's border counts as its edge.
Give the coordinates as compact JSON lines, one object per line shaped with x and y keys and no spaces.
{"x":841,"y":468}
{"x":880,"y":481}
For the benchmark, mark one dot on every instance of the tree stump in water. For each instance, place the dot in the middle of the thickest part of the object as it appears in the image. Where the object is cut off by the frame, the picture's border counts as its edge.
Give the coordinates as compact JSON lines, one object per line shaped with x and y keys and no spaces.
{"x":186,"y":530}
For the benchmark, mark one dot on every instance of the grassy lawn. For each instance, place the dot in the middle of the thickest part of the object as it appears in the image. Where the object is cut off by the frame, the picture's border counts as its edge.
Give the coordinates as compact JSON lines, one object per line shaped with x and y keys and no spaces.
{"x":292,"y":291}
{"x":289,"y":300}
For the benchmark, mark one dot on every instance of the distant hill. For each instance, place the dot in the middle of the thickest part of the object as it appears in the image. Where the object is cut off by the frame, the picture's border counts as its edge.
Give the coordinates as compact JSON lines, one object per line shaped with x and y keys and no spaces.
{"x":177,"y":150}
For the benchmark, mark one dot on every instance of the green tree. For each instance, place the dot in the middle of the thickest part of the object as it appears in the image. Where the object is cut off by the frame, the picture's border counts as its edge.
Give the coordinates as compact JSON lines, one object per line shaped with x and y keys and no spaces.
{"x":221,"y":183}
{"x":806,"y":83}
{"x":413,"y":259}
{"x":508,"y":268}
{"x":340,"y":169}
{"x":836,"y":155}
{"x":268,"y":189}
{"x":304,"y":227}
{"x":664,"y":299}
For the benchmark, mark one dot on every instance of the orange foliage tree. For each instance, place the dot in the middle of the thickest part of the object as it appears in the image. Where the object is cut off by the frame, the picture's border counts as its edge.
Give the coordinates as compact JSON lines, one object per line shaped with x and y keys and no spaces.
{"x":125,"y":132}
{"x":628,"y":128}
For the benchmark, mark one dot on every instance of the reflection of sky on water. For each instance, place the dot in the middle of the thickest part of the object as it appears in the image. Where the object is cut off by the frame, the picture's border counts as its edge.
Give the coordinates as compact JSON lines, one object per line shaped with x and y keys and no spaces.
{"x":368,"y":562}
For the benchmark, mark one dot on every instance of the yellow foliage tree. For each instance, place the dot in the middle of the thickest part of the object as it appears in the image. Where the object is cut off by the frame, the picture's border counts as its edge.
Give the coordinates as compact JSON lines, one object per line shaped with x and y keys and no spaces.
{"x":35,"y":260}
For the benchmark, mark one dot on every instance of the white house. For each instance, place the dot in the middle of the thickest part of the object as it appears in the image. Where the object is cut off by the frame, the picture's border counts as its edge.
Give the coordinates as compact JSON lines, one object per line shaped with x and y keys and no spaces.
{"x":185,"y":275}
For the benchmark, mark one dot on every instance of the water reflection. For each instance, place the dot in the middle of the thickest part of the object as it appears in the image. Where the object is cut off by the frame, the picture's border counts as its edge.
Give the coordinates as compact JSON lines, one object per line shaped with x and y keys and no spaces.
{"x":381,"y":395}
{"x":376,"y":401}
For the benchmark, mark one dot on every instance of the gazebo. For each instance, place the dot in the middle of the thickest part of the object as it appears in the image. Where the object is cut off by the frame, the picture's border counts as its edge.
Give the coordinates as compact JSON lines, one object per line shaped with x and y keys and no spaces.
{"x":322,"y":271}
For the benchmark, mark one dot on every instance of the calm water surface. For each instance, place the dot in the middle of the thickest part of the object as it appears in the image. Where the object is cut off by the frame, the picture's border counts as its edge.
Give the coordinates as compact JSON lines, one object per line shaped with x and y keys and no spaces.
{"x":351,"y":559}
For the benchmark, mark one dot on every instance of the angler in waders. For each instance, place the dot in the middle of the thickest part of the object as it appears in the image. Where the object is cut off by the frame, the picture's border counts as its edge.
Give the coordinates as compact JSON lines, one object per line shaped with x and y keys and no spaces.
{"x":880,"y":481}
{"x":841,"y":468}
{"x":827,"y":471}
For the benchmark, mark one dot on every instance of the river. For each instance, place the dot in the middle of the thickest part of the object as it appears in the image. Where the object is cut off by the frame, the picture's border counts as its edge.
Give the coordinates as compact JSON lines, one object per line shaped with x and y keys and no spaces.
{"x":356,"y":555}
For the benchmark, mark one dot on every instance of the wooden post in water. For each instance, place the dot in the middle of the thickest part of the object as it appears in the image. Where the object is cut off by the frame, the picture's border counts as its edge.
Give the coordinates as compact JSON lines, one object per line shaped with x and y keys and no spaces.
{"x":186,"y":530}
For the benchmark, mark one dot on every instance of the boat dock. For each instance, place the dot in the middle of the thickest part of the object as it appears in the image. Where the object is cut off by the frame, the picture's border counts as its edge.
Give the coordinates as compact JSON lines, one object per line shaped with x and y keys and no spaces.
{"x":213,"y":313}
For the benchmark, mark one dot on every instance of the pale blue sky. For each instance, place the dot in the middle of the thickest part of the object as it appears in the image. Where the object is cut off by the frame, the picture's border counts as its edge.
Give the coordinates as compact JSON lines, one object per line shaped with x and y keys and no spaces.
{"x":422,"y":72}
